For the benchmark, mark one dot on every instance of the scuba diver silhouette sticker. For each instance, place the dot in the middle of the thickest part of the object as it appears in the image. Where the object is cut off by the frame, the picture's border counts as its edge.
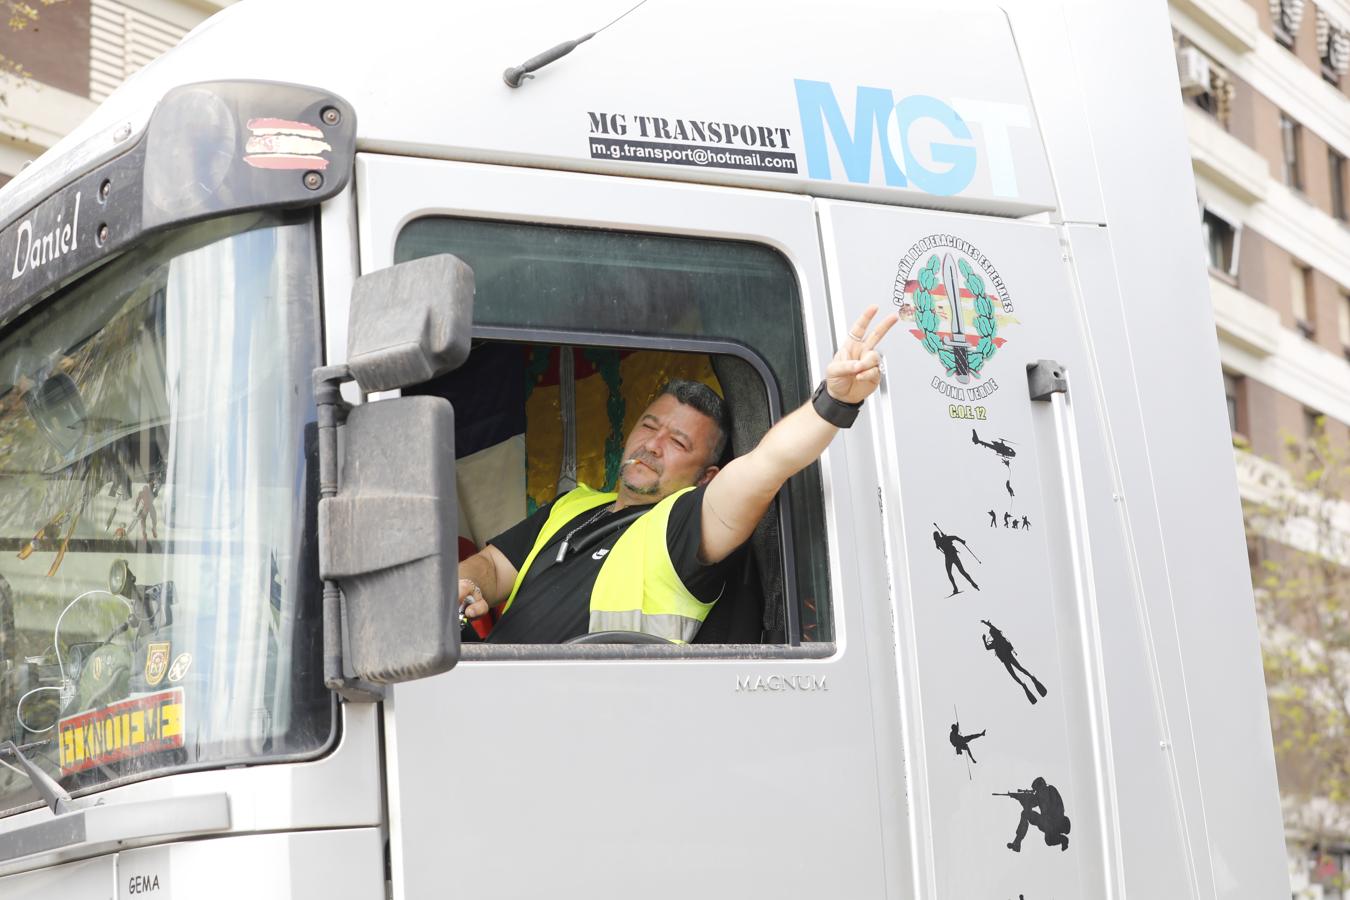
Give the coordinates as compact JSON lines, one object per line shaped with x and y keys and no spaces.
{"x":1044,"y":808}
{"x":946,"y":543}
{"x":1003,"y":649}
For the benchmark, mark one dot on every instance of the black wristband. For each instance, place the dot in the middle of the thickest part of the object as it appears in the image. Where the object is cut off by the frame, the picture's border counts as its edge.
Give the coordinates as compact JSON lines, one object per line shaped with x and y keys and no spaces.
{"x":836,"y":412}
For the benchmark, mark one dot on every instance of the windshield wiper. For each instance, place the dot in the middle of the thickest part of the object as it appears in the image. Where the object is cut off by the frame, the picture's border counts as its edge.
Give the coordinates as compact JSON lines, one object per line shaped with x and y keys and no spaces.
{"x":55,"y":796}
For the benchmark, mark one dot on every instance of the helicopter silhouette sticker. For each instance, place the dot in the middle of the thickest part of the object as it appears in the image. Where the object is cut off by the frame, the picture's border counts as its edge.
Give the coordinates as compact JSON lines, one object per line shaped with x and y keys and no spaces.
{"x":1003,"y":448}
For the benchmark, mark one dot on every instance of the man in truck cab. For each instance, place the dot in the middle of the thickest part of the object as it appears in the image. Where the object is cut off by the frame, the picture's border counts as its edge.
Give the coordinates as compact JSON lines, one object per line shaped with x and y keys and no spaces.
{"x":655,"y":555}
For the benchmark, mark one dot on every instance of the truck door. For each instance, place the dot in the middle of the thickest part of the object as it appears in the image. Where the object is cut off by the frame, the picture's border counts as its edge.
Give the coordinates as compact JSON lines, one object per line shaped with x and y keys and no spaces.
{"x":1031,"y":774}
{"x":742,"y":768}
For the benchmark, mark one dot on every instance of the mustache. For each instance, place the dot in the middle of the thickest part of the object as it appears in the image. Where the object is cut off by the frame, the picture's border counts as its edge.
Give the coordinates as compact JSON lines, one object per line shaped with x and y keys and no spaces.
{"x":647,"y":459}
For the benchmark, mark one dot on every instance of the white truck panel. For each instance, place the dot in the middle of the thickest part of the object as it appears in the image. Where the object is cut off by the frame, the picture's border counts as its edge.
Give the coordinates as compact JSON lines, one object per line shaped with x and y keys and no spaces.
{"x":322,"y":864}
{"x":960,"y":134}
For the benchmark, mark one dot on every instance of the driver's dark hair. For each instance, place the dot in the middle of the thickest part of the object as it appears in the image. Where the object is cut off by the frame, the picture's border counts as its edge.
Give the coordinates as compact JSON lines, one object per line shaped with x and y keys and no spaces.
{"x":705,"y":400}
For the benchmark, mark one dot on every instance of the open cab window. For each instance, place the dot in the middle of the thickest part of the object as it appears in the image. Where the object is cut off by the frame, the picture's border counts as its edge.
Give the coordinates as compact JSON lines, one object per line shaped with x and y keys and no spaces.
{"x":577,"y":329}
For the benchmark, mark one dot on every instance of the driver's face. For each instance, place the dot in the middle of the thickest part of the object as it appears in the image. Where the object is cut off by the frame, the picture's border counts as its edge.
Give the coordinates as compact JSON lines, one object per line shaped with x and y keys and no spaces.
{"x":672,"y":447}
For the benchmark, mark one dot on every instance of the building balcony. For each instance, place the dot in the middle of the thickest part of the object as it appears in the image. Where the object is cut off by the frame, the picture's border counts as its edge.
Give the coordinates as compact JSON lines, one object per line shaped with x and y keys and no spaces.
{"x":1231,"y":21}
{"x":1243,"y":321}
{"x":1225,"y":160}
{"x":36,"y":115}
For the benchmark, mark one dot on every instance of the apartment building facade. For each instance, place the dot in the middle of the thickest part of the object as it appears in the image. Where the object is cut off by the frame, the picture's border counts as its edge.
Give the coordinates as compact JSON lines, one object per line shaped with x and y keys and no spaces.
{"x":1266,"y":87}
{"x":70,"y":56}
{"x":1268,"y":115}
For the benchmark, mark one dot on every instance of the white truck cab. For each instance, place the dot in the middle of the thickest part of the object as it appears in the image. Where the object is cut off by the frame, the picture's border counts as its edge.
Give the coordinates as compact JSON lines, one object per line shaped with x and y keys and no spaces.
{"x":999,"y":643}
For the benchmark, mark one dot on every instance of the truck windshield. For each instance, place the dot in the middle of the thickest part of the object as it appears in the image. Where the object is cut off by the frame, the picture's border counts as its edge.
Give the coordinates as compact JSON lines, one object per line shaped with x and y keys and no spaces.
{"x":157,"y":576}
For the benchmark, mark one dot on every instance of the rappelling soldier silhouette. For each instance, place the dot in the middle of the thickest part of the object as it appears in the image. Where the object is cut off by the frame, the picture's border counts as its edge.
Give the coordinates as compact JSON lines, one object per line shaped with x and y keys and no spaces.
{"x":1043,"y":807}
{"x":960,"y":742}
{"x":1003,"y":649}
{"x":951,"y":556}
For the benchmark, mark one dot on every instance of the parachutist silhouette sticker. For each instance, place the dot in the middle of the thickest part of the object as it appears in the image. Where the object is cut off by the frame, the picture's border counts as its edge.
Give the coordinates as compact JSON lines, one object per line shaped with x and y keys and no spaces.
{"x":1044,"y":808}
{"x":961,"y":742}
{"x":1003,"y":649}
{"x":946,"y":543}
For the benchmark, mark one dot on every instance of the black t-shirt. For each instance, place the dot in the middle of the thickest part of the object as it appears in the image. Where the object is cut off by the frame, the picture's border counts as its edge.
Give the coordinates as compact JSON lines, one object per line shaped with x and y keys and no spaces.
{"x":554,"y":602}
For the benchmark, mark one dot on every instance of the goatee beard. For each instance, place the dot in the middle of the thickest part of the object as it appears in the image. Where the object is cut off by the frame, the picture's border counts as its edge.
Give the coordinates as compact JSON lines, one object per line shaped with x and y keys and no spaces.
{"x":649,"y":490}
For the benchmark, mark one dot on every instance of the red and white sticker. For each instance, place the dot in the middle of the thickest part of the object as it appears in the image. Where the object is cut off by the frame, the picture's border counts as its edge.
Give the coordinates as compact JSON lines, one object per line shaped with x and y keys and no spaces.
{"x":283,"y":144}
{"x":146,"y":724}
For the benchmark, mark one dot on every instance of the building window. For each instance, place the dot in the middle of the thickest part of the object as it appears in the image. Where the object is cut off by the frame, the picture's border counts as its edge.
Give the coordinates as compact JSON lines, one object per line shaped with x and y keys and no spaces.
{"x":1301,"y":300}
{"x":1312,"y":423}
{"x":1333,"y":47}
{"x":1345,"y":322}
{"x":1285,"y":16}
{"x":1291,"y":134}
{"x":1221,"y":243}
{"x":1336,"y":167}
{"x":1235,"y":395}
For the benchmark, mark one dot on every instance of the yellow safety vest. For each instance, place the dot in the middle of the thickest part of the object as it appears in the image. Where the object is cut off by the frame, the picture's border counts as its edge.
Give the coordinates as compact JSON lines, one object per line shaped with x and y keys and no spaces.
{"x":663,"y":606}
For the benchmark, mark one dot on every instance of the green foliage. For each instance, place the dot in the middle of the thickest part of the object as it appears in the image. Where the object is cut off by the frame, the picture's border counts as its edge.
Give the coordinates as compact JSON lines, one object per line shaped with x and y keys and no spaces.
{"x":1302,"y":585}
{"x":20,"y":17}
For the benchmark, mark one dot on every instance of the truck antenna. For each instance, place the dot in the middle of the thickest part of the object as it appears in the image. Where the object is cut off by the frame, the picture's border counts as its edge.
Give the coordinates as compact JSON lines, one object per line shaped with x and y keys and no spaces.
{"x":516,"y":75}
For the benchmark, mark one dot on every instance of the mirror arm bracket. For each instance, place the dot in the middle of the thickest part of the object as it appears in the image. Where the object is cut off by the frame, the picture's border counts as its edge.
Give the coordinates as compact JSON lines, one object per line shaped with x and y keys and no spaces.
{"x":332,"y":410}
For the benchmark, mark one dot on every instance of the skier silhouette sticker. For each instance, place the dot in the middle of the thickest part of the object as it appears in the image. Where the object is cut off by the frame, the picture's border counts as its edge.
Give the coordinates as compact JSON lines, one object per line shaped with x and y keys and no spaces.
{"x":1003,"y":649}
{"x":1043,"y":808}
{"x":951,"y":555}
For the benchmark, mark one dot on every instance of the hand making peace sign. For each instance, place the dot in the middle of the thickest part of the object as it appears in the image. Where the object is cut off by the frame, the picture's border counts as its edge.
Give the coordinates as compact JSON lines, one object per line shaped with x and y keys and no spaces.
{"x":855,"y":371}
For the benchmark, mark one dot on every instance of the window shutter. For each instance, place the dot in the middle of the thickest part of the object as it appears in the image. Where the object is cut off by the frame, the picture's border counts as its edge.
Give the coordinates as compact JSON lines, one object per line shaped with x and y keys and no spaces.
{"x":122,"y":40}
{"x":1286,"y":14}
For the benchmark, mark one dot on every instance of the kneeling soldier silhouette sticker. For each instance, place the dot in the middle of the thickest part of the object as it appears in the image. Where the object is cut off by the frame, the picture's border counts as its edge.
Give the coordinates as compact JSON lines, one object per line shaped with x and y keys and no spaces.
{"x":1043,"y":808}
{"x":1003,"y":649}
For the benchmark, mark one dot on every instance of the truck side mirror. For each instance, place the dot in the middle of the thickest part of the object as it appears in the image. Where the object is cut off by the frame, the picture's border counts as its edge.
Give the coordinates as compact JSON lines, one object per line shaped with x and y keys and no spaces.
{"x":410,"y":322}
{"x":389,"y":539}
{"x":388,"y":520}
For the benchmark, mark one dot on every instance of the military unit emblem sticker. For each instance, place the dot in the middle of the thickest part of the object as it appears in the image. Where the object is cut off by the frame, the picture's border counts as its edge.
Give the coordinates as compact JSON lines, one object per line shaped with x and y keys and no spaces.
{"x":959,"y":310}
{"x":156,"y":662}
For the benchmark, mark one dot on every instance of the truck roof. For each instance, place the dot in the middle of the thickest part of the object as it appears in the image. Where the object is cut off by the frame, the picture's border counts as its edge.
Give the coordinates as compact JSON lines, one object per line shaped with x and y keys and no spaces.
{"x":905,"y":104}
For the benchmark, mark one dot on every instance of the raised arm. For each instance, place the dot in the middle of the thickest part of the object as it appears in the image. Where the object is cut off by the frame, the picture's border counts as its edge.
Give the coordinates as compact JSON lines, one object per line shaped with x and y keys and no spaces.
{"x":740,"y":494}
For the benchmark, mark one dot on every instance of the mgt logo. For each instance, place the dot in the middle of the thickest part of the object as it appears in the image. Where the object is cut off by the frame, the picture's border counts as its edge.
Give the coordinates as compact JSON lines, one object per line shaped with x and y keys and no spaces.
{"x":923,"y":143}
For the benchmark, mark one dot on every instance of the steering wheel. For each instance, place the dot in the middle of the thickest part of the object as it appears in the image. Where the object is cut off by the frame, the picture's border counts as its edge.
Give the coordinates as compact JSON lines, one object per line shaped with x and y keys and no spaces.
{"x":617,"y":637}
